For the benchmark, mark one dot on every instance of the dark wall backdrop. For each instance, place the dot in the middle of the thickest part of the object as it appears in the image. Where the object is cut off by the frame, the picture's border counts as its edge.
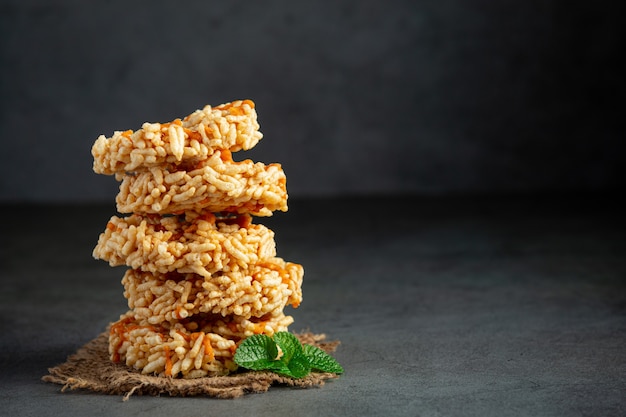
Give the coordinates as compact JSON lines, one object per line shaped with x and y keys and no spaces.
{"x":354,"y":97}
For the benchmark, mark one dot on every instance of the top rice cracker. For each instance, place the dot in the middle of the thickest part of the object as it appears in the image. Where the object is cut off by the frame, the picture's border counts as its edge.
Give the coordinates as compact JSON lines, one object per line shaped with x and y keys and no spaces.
{"x":232,"y":126}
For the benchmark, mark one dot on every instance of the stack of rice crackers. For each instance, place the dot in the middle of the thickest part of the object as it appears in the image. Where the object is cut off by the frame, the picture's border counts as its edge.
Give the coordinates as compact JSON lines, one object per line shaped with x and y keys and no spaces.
{"x":202,"y":276}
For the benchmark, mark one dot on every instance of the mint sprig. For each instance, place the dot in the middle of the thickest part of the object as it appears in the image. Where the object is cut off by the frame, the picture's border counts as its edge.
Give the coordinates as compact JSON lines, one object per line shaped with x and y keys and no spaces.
{"x":260,"y":352}
{"x":318,"y":359}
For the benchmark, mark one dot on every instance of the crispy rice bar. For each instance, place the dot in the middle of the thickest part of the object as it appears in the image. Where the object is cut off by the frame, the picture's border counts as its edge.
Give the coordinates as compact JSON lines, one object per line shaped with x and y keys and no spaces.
{"x":216,"y":184}
{"x":191,"y":349}
{"x":202,"y":245}
{"x":266,"y":288}
{"x":232,"y":126}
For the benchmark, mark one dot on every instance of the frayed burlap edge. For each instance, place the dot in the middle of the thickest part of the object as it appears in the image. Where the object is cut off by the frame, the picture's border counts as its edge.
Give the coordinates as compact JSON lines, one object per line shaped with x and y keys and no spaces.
{"x":90,"y":368}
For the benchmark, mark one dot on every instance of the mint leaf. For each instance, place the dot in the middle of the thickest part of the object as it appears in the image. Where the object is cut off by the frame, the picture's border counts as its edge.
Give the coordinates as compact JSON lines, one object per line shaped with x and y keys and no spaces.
{"x":257,"y":352}
{"x":321,"y":360}
{"x":260,"y":352}
{"x":299,"y":365}
{"x":289,"y":344}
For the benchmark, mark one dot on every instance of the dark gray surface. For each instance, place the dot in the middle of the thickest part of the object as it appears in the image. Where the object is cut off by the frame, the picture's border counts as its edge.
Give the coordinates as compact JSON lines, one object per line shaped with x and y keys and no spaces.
{"x":394,"y":96}
{"x":484,"y":307}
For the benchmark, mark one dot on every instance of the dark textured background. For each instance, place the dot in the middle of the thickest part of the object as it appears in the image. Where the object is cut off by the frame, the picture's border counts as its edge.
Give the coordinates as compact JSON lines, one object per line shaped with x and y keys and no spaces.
{"x":354,"y":97}
{"x":501,"y":306}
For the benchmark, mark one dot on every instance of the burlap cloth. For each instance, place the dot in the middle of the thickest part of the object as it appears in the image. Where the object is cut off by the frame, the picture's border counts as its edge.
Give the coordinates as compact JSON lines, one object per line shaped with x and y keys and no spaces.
{"x":90,"y":368}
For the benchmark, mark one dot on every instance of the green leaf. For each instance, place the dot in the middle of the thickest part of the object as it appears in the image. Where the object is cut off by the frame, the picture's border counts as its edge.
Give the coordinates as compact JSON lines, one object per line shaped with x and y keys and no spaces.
{"x":257,"y":352}
{"x":260,"y":352}
{"x":280,"y":367}
{"x":289,"y":344}
{"x":321,"y":360}
{"x":299,"y":365}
